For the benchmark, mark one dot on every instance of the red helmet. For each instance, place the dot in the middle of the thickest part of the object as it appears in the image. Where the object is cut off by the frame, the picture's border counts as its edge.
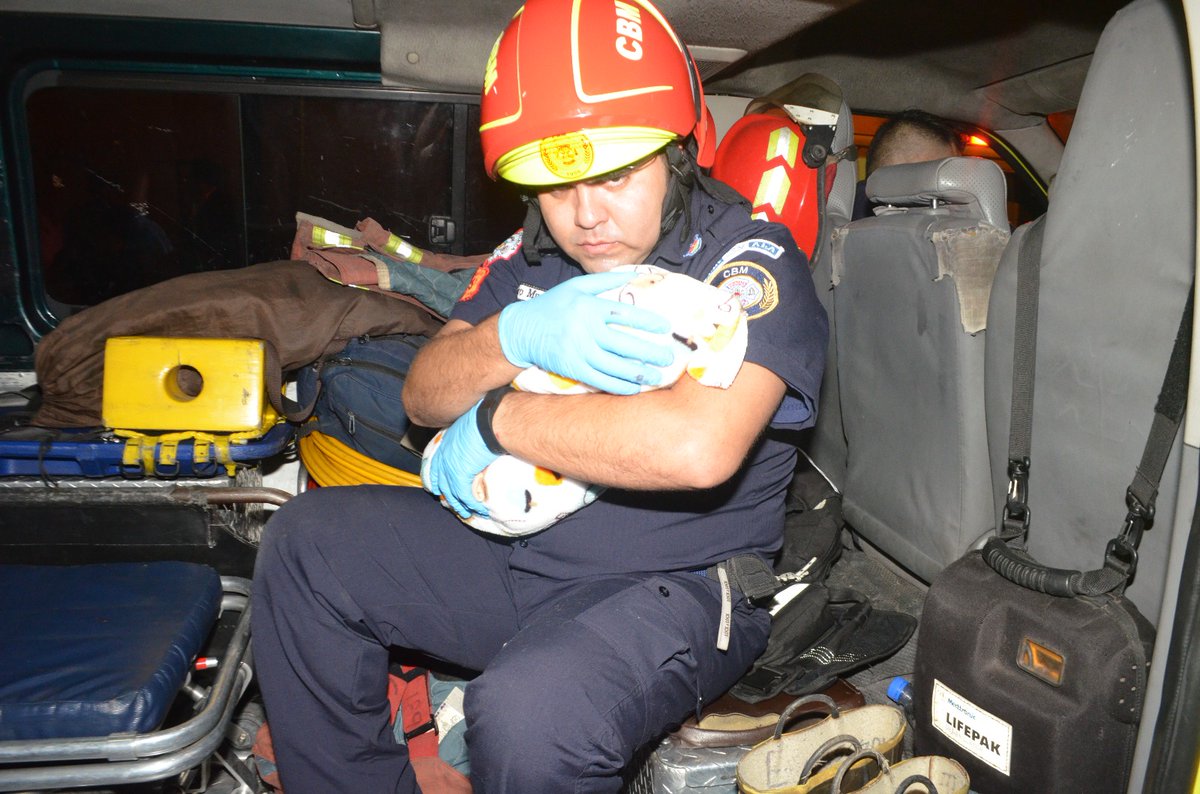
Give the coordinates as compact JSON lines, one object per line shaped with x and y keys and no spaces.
{"x":578,"y":88}
{"x":760,"y":158}
{"x":773,"y":153}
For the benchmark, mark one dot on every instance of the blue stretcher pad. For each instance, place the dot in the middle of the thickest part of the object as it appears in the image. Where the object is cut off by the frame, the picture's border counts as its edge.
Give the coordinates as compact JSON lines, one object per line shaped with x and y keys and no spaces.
{"x":93,"y":650}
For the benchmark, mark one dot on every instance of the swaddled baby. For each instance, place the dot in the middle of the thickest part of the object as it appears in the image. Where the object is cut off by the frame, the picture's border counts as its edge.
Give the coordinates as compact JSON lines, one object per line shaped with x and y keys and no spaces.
{"x":708,"y":327}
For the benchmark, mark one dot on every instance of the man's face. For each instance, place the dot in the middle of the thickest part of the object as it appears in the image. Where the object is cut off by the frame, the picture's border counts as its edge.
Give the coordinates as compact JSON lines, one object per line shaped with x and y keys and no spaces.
{"x":609,"y":221}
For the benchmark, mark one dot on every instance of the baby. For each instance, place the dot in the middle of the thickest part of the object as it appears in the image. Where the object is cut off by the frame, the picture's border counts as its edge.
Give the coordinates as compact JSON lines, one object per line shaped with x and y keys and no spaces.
{"x":708,"y":327}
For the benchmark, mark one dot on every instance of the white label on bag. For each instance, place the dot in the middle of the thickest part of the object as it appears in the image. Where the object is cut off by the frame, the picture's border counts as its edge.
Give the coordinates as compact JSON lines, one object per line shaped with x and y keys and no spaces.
{"x":784,"y":596}
{"x":450,"y":713}
{"x":980,"y":733}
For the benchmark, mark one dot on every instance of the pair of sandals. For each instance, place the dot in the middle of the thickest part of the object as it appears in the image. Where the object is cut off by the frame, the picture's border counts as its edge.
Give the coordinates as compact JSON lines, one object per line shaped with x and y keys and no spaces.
{"x":857,"y":750}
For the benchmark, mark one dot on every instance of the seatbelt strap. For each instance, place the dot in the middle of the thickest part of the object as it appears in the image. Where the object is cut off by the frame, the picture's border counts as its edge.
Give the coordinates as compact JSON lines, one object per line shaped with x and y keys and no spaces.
{"x":1120,"y":556}
{"x":1016,"y":507}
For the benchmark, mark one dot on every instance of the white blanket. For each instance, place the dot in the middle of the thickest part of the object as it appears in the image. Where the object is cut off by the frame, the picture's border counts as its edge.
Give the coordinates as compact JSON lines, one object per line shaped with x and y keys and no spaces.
{"x":708,"y":327}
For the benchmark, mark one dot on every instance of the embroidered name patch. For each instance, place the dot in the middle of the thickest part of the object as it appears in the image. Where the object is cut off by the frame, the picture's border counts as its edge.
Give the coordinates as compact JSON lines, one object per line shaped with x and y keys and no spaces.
{"x":754,"y":288}
{"x":527,"y":291}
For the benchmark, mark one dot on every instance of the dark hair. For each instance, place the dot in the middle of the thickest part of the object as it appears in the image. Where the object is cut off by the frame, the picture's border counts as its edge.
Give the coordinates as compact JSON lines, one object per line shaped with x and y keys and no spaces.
{"x":900,"y":130}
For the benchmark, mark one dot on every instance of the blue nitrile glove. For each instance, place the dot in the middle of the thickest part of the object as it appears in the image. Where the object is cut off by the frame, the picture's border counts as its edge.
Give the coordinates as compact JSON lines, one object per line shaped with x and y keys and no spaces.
{"x":454,"y":464}
{"x":569,"y":331}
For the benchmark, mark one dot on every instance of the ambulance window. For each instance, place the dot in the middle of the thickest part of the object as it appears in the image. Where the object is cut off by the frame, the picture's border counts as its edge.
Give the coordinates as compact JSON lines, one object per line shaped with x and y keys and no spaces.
{"x":344,"y":160}
{"x":1026,"y":197}
{"x":133,"y":186}
{"x":1061,"y":123}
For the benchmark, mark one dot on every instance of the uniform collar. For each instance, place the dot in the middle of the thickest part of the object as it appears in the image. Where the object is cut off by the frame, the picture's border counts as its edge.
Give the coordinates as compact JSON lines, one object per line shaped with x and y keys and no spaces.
{"x":673,"y":253}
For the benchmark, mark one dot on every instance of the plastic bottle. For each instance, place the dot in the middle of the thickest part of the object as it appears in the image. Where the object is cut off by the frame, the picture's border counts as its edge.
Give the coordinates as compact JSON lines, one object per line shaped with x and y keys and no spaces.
{"x":901,"y":691}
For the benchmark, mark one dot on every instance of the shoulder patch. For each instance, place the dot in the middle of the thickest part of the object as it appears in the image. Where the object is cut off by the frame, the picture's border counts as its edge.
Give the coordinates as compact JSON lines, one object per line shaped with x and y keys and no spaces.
{"x":506,"y":250}
{"x":753,"y":286}
{"x":758,"y":245}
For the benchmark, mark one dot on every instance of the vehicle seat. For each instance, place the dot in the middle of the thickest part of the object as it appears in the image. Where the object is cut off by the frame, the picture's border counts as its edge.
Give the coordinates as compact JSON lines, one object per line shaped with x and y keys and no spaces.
{"x":1117,"y":262}
{"x":97,"y":656}
{"x":910,"y":295}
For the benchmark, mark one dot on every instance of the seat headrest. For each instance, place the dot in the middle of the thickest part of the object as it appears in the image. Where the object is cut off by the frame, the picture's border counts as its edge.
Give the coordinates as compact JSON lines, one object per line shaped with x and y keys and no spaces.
{"x":840,"y":205}
{"x":969,"y":186}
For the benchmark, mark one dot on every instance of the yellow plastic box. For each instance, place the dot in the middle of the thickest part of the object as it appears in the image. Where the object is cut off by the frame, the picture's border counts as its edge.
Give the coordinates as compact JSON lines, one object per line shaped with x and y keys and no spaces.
{"x":173,"y":384}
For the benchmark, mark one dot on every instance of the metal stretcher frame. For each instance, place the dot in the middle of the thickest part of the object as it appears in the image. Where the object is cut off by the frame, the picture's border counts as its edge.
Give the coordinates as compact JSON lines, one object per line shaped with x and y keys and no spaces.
{"x":137,"y":758}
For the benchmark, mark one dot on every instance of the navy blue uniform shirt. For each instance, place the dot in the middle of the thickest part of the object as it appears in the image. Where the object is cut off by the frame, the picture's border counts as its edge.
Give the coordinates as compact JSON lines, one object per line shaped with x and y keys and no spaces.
{"x":637,"y":531}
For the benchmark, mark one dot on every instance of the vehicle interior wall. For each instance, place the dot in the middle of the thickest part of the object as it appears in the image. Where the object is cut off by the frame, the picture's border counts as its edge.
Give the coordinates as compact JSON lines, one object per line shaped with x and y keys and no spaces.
{"x":191,"y":121}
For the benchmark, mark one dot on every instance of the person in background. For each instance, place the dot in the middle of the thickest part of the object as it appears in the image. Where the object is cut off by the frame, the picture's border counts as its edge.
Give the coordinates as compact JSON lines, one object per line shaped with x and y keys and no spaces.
{"x":912,"y":136}
{"x":596,"y":635}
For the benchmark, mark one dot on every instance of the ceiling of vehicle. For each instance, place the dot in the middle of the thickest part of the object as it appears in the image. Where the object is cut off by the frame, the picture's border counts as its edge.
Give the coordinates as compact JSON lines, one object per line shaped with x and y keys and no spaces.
{"x":996,"y":64}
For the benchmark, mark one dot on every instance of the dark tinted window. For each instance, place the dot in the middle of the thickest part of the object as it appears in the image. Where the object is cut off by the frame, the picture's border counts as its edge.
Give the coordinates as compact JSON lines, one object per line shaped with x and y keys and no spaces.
{"x":136,"y":186}
{"x":133,"y":187}
{"x":344,"y":159}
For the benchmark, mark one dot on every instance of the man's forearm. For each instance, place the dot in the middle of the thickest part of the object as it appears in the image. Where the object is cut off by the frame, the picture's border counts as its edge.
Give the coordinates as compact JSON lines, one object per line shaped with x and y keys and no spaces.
{"x":453,"y":371}
{"x":686,"y":437}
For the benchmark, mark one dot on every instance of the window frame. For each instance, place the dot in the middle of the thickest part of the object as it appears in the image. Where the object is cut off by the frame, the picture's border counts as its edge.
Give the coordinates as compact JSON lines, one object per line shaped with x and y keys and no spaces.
{"x":38,"y":50}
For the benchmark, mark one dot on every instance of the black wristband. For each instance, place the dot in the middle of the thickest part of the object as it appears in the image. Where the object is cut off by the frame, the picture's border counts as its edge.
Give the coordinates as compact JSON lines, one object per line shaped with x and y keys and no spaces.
{"x":485,"y":415}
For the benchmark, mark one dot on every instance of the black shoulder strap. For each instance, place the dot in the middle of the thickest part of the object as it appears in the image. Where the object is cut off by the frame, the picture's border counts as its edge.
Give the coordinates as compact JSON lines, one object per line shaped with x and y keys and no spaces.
{"x":1120,"y":556}
{"x":1016,"y":507}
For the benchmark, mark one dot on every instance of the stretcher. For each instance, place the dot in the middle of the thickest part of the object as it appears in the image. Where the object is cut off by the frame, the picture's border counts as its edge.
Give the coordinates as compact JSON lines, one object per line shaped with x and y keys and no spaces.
{"x":100,"y":660}
{"x":81,"y":454}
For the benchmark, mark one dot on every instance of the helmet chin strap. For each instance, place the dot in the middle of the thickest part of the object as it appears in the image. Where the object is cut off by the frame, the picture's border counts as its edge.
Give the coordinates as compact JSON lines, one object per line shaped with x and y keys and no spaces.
{"x":686,"y":176}
{"x":681,"y":167}
{"x":536,"y":239}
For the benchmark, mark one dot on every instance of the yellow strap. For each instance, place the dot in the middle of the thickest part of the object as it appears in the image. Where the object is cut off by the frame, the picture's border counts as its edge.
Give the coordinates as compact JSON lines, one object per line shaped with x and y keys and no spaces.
{"x":152,"y":451}
{"x":168,"y":452}
{"x":331,"y":463}
{"x":132,"y":452}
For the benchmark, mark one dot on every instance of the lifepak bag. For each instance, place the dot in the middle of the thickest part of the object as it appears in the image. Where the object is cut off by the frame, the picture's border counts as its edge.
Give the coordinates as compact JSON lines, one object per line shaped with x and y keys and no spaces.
{"x":1033,"y":678}
{"x":358,"y":398}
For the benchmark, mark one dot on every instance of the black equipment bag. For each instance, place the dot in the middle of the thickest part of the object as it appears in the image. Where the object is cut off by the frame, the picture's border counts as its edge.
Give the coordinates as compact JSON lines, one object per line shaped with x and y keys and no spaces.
{"x":821,"y":633}
{"x":1032,"y":677}
{"x":1029,"y":692}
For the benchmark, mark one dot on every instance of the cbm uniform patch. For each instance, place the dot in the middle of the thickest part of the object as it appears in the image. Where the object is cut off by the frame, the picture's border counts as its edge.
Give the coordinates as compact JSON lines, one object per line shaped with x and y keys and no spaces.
{"x":506,"y":250}
{"x":752,"y":284}
{"x":979,"y":732}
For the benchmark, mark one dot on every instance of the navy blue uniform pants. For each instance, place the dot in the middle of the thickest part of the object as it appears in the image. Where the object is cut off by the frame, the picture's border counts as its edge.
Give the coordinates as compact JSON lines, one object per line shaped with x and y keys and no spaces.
{"x":576,"y":675}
